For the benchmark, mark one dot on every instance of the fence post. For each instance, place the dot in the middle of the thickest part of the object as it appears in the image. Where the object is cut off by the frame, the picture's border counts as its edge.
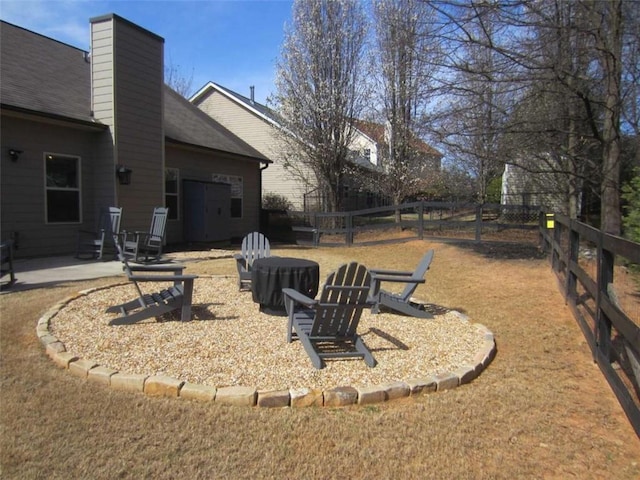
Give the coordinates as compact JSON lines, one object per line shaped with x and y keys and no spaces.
{"x":605,"y":277}
{"x":478,"y":222}
{"x":574,"y":250}
{"x":543,"y":232}
{"x":316,"y":230}
{"x":555,"y":254}
{"x":421,"y":220}
{"x":349,"y":228}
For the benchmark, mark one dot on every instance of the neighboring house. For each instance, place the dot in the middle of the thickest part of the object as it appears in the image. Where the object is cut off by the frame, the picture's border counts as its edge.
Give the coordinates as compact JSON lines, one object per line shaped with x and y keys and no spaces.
{"x":259,"y":126}
{"x":373,"y":142}
{"x":524,"y":188}
{"x":70,"y":119}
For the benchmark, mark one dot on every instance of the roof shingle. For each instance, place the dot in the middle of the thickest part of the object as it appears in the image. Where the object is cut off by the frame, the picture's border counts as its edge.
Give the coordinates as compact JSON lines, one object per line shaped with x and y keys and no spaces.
{"x":44,"y":76}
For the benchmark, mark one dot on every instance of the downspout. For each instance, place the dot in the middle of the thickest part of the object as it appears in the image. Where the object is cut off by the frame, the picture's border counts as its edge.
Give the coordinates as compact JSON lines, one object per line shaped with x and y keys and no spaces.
{"x":260,"y":226}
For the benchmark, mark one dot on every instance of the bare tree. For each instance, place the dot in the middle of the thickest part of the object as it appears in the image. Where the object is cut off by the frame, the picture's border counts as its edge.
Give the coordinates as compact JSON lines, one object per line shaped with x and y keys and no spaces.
{"x":403,"y":43}
{"x":479,"y":90}
{"x":631,"y":75}
{"x":178,"y":80}
{"x":606,"y":21}
{"x":320,"y":89}
{"x":566,"y":51}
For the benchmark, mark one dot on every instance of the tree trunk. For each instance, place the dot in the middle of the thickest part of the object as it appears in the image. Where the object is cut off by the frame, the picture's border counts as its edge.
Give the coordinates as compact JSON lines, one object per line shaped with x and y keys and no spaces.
{"x":610,"y":43}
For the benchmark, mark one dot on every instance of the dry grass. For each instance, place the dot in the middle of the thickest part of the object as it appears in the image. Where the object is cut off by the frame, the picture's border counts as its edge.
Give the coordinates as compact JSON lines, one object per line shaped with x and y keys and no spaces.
{"x":541,"y":410}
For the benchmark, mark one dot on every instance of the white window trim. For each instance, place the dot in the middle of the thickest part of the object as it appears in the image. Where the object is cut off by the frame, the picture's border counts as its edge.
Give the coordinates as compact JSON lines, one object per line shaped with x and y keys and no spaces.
{"x":46,"y":188}
{"x":237,"y":183}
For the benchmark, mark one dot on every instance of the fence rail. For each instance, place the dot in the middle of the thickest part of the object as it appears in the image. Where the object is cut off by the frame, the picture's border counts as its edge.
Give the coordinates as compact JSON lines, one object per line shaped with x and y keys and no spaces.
{"x":411,"y":220}
{"x":614,"y":338}
{"x":590,"y":290}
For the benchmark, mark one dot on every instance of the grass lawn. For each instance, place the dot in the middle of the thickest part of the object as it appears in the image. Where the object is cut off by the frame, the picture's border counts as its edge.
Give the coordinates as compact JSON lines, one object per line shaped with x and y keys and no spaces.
{"x":541,"y":410}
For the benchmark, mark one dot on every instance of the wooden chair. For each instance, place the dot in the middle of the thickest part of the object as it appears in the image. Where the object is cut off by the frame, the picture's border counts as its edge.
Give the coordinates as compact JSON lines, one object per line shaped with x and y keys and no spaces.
{"x":254,"y":245}
{"x":91,"y":244}
{"x":400,"y":302}
{"x":6,"y":263}
{"x":147,"y":246}
{"x":327,"y":327}
{"x":148,"y":305}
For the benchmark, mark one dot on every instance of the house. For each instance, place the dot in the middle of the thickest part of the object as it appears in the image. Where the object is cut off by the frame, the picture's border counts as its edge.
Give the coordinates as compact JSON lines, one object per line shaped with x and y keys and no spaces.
{"x":71,"y":118}
{"x":539,"y":186}
{"x":374,"y":138}
{"x":259,"y":126}
{"x":370,"y":148}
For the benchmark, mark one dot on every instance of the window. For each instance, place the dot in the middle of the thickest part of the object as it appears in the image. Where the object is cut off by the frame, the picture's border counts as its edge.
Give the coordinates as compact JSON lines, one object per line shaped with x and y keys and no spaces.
{"x":237,"y":192}
{"x":62,"y":185}
{"x":171,"y":182}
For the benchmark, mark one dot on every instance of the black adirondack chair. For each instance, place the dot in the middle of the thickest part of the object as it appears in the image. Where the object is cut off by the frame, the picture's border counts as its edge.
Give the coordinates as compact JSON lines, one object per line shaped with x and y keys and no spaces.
{"x":149,"y":305}
{"x":254,"y":245}
{"x":400,"y":302}
{"x":327,"y":327}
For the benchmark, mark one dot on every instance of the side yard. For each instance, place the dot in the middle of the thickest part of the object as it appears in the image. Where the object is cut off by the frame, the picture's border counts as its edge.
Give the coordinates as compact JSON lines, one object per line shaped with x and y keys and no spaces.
{"x":541,"y":410}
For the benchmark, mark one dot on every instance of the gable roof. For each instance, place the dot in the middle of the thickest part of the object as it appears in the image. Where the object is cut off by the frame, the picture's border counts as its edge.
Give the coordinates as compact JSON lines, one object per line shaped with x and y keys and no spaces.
{"x":42,"y":75}
{"x":187,"y":124}
{"x":376,"y":132}
{"x":45,"y":77}
{"x":256,"y":108}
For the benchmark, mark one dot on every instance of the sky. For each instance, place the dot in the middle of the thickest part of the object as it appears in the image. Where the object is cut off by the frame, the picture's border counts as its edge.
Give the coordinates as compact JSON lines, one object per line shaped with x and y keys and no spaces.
{"x":234,"y":43}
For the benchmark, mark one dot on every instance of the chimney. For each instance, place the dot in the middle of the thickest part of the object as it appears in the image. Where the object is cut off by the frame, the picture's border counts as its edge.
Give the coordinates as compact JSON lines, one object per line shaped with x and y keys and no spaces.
{"x":127,"y":64}
{"x":253,"y":93}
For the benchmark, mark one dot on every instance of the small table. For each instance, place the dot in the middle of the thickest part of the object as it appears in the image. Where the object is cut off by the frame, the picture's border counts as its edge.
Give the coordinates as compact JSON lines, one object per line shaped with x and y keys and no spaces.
{"x":271,"y":274}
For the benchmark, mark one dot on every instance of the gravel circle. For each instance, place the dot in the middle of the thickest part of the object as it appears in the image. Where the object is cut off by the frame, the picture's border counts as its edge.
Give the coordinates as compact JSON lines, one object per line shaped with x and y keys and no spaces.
{"x":230,"y":342}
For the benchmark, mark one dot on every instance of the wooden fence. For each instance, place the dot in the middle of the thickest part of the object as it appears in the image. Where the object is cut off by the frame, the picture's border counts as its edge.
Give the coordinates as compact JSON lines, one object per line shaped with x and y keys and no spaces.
{"x":407,"y":221}
{"x":588,"y":263}
{"x":590,"y":266}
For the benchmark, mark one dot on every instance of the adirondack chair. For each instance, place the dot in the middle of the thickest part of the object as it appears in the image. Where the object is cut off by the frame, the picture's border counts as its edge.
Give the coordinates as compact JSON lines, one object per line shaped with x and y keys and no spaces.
{"x":149,"y":305}
{"x":6,"y":263}
{"x":327,"y":327}
{"x":91,"y":244}
{"x":254,"y":245}
{"x":400,"y":302}
{"x":147,"y":246}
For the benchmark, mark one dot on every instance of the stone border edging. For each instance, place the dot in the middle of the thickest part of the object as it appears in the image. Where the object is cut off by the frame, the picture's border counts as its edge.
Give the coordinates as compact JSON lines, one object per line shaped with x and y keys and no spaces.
{"x":162,"y":385}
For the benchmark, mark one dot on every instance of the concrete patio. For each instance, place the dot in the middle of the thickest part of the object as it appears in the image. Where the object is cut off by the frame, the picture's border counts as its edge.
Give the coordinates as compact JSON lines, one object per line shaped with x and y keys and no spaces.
{"x":49,"y":271}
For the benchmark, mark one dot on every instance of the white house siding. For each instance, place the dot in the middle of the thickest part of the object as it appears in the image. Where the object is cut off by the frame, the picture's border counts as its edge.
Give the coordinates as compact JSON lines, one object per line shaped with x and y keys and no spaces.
{"x":23,"y":184}
{"x":127,"y":73}
{"x":262,"y":136}
{"x":361,"y":143}
{"x":547,"y":189}
{"x":195,"y":164}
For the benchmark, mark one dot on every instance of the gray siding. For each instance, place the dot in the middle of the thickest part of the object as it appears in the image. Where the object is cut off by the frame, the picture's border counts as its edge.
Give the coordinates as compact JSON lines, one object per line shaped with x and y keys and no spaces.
{"x":262,"y":136}
{"x":127,"y":74}
{"x":23,"y":184}
{"x":200,"y":165}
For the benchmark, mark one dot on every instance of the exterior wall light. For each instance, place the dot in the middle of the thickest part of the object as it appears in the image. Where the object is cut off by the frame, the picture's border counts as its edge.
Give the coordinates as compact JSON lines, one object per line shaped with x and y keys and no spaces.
{"x":14,"y":154}
{"x":124,"y":175}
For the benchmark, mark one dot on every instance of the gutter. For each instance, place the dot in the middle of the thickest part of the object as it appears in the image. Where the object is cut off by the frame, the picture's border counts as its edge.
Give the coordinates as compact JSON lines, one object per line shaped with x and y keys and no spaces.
{"x":52,"y":116}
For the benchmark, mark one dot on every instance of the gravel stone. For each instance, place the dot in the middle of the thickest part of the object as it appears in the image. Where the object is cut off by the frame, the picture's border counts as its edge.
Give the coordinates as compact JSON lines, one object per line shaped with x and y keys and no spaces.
{"x":230,"y":342}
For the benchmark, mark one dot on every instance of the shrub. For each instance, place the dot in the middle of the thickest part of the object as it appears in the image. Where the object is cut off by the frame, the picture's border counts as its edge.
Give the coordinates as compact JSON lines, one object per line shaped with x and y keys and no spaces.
{"x":273,"y":201}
